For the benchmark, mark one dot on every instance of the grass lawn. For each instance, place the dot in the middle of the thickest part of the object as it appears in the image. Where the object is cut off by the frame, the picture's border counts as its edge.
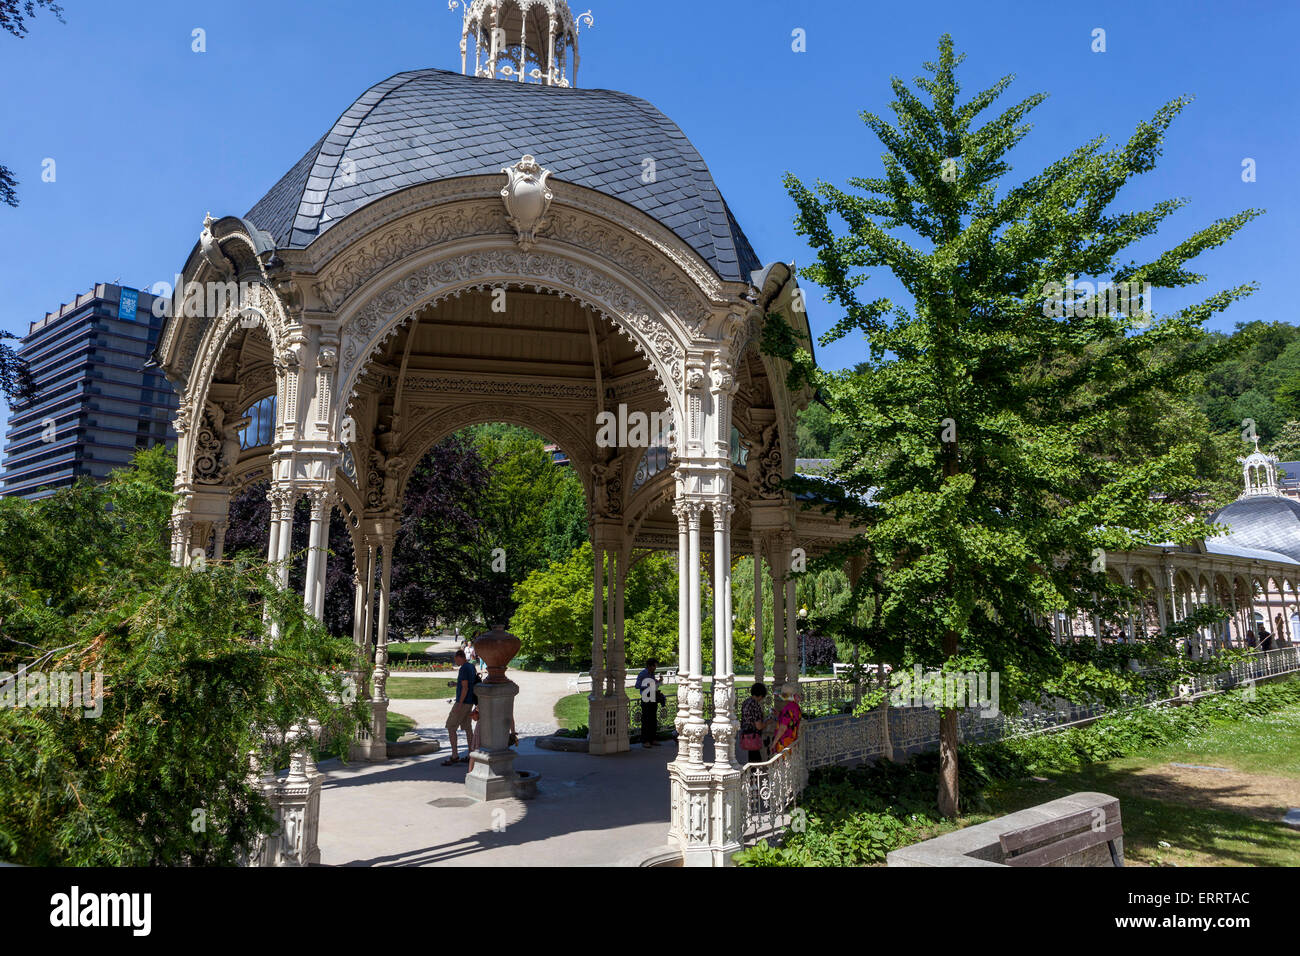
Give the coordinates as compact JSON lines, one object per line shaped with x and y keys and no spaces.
{"x":419,"y":688}
{"x":412,"y":654}
{"x":1208,"y":817}
{"x":398,"y":724}
{"x":572,"y":710}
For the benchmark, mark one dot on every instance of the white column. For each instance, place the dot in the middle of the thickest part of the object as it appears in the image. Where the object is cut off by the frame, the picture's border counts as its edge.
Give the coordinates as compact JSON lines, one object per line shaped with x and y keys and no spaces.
{"x":598,"y":622}
{"x":697,"y":642}
{"x":724,"y":723}
{"x":323,"y":569}
{"x":358,"y":606}
{"x":312,"y":578}
{"x":285,"y":539}
{"x":385,"y":593}
{"x":695,"y":725}
{"x":792,"y":658}
{"x":618,"y":653}
{"x":779,"y":664}
{"x":611,"y":576}
{"x":602,"y":727}
{"x":219,"y":539}
{"x":273,"y":539}
{"x":495,"y":50}
{"x":523,"y":46}
{"x":368,"y":589}
{"x":379,"y":691}
{"x":683,"y":602}
{"x":550,"y":52}
{"x":616,"y":637}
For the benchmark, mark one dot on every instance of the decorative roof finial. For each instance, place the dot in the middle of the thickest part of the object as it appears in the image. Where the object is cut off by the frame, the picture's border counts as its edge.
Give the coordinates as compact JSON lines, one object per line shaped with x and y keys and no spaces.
{"x":511,"y":35}
{"x":1259,"y":472}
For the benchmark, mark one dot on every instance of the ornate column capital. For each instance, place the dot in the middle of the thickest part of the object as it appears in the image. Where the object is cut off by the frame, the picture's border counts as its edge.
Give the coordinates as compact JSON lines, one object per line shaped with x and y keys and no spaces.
{"x":321,"y":499}
{"x":688,"y":513}
{"x":722,"y":376}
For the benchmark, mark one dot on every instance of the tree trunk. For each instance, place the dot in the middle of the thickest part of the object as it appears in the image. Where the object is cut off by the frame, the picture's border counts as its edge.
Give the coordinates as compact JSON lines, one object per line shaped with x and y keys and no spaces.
{"x":948,"y":742}
{"x":948,"y":762}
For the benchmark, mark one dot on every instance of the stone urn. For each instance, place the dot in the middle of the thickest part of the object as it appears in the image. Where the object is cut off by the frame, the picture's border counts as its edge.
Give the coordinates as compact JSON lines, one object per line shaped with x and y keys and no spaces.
{"x":496,"y":648}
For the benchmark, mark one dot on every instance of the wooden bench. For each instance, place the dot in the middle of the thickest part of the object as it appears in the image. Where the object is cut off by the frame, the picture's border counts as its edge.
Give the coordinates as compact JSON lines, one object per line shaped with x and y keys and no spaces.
{"x":1046,"y":843}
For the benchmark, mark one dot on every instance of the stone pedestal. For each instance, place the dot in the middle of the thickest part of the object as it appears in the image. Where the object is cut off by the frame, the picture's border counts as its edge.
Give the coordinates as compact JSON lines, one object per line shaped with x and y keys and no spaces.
{"x":602,"y":725}
{"x":692,"y":815}
{"x":493,"y":776}
{"x":727,"y":819}
{"x":295,"y":801}
{"x":371,"y":743}
{"x":378,"y":730}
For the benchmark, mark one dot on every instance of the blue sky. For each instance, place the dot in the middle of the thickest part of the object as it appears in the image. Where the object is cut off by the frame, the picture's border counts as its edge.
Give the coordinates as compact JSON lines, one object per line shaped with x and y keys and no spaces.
{"x":148,"y":135}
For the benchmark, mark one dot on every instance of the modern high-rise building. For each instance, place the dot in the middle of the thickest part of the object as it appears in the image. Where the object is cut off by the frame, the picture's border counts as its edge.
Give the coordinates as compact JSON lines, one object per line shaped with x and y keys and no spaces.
{"x":95,"y":401}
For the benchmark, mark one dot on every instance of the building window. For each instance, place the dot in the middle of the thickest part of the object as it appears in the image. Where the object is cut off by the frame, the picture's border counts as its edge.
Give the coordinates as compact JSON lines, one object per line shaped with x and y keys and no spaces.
{"x":260,"y":429}
{"x":739,"y":453}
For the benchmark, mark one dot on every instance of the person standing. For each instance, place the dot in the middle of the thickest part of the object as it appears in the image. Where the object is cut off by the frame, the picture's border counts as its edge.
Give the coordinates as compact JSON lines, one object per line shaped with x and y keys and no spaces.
{"x":753,"y":722}
{"x":789,"y":715}
{"x":462,"y":708}
{"x":647,"y":685}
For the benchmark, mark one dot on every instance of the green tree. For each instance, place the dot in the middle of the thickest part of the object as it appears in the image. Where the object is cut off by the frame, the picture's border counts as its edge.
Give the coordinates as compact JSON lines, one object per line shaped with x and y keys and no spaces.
{"x":552,"y":616}
{"x":553,"y":610}
{"x":526,"y":513}
{"x":1287,"y":444}
{"x":976,"y":422}
{"x":815,"y":433}
{"x":189,"y":679}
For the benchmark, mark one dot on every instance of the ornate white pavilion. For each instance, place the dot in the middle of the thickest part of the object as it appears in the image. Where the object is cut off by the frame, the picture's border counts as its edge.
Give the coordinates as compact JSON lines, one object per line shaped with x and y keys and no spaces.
{"x":504,"y":247}
{"x":501,"y":246}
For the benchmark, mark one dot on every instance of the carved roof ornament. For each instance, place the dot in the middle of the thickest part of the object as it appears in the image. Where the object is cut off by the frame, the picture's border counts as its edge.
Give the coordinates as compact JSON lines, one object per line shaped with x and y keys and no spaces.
{"x":527,"y":200}
{"x":210,"y":250}
{"x":522,"y":40}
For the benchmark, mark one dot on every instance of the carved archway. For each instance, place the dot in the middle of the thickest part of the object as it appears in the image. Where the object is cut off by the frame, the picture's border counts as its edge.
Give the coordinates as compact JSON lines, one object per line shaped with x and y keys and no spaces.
{"x":441,"y":274}
{"x":430,"y":430}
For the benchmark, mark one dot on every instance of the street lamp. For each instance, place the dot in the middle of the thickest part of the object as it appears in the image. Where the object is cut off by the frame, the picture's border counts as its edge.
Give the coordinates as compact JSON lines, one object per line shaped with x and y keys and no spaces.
{"x":803,"y":641}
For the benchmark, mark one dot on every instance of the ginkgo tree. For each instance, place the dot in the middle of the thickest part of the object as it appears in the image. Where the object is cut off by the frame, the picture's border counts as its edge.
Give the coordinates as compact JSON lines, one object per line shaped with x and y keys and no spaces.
{"x":978,"y":430}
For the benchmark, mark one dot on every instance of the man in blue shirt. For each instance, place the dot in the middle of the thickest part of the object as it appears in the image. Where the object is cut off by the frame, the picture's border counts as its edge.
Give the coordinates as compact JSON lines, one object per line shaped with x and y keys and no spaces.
{"x":461,"y":708}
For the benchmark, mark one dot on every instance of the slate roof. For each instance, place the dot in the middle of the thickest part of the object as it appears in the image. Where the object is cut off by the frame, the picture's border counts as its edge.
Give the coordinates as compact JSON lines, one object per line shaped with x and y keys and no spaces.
{"x":1259,"y":523}
{"x":1219,"y":546}
{"x":427,"y":125}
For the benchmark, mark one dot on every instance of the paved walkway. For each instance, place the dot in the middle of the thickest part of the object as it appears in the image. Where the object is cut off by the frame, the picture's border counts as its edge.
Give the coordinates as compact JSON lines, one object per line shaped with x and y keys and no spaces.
{"x":589,"y":811}
{"x":534,"y":707}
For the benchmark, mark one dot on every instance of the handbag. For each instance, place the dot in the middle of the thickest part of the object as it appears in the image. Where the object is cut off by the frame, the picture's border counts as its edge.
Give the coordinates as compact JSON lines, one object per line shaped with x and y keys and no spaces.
{"x":752,"y":741}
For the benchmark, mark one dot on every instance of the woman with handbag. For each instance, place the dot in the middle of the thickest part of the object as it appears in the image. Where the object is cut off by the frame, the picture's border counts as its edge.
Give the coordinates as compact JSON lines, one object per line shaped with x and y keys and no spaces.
{"x":752,"y":723}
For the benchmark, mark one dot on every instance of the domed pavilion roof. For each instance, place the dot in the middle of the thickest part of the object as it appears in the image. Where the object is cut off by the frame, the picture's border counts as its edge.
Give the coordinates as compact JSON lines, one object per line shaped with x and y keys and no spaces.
{"x":1261,"y":523}
{"x":428,"y":125}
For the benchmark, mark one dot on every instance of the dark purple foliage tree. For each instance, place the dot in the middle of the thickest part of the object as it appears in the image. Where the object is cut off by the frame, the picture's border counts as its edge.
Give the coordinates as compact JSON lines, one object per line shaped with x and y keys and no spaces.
{"x":434,"y":580}
{"x":819,"y":650}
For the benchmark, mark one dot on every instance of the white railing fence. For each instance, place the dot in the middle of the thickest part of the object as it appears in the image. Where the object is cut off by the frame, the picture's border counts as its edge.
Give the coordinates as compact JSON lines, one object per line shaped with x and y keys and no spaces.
{"x":770,"y":792}
{"x":772,"y":788}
